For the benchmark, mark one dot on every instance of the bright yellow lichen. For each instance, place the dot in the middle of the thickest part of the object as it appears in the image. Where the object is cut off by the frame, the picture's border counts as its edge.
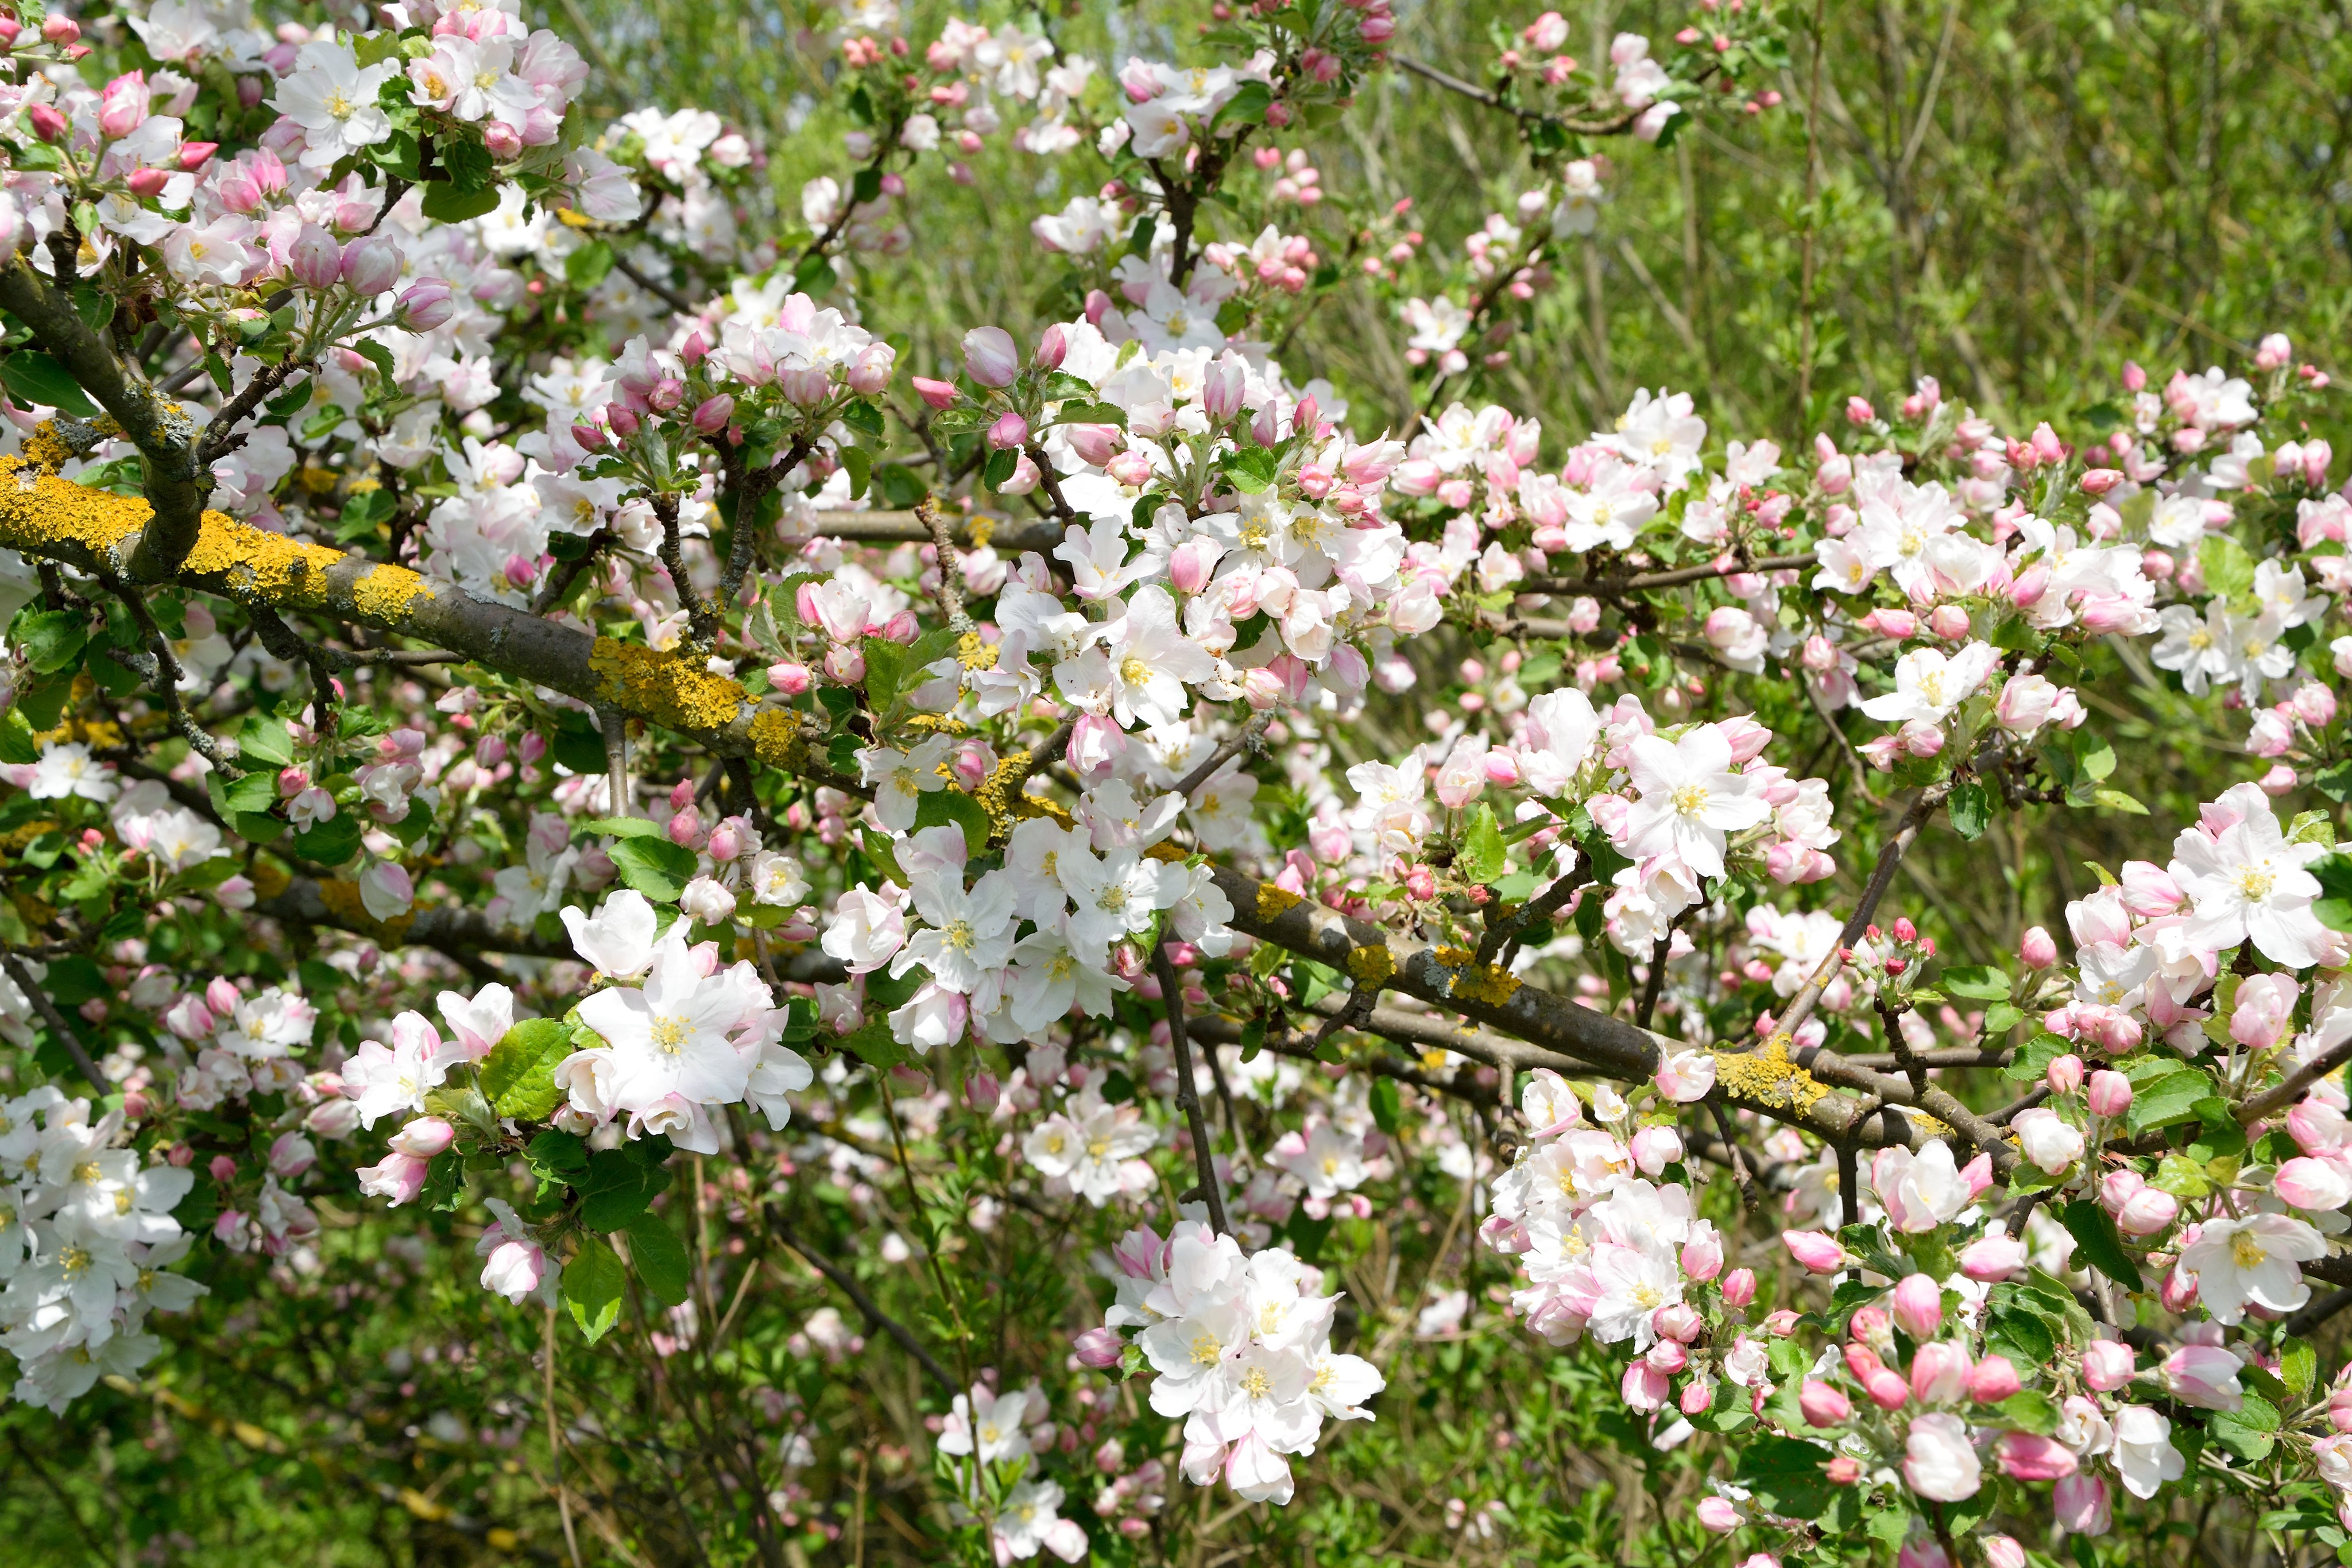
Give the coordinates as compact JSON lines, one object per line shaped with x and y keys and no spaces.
{"x":979,"y":531}
{"x":974,"y":654}
{"x":1371,"y":966}
{"x":1272,"y":901}
{"x":1768,"y":1076}
{"x":37,"y":510}
{"x":1477,"y":982}
{"x":776,"y":739}
{"x":672,"y":692}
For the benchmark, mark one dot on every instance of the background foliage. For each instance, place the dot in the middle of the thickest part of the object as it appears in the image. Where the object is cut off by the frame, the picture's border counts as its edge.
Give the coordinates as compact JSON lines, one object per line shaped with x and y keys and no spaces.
{"x":2013,"y":198}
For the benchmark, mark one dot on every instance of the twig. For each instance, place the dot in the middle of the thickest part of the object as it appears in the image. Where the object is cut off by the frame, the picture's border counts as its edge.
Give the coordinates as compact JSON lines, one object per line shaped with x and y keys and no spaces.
{"x":615,"y":726}
{"x":875,"y":1316}
{"x":555,"y":1444}
{"x":2263,"y":1104}
{"x":2317,"y":1311}
{"x":56,"y":1022}
{"x":1542,"y":907}
{"x":1247,"y":739}
{"x":1615,"y":125}
{"x":1188,"y":1095}
{"x":1649,"y":580}
{"x":1739,"y":1171}
{"x":1921,"y":809}
{"x":661,"y":291}
{"x":950,"y":590}
{"x":701,"y":618}
{"x":559,"y":582}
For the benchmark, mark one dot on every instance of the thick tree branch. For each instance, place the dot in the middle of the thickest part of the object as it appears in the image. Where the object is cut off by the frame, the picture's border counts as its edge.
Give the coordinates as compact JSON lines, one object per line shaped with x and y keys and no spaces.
{"x":177,"y":483}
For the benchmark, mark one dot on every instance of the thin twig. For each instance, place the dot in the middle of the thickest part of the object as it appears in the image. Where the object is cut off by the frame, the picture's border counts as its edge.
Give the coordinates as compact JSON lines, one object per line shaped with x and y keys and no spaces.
{"x":615,"y":726}
{"x":875,"y":1316}
{"x":56,"y":1022}
{"x":1246,"y":739}
{"x":1921,"y":809}
{"x":1188,"y":1094}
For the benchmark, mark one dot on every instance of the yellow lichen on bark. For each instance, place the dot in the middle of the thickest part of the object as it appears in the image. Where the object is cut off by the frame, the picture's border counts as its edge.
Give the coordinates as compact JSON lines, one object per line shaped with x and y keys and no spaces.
{"x":38,"y":509}
{"x":1272,"y":901}
{"x":1768,"y":1076}
{"x":672,"y":692}
{"x":1371,"y":966}
{"x":1475,"y":982}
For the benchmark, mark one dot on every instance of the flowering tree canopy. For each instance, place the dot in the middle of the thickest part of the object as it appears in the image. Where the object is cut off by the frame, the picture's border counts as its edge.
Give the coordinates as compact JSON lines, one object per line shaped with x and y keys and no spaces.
{"x":703,"y":937}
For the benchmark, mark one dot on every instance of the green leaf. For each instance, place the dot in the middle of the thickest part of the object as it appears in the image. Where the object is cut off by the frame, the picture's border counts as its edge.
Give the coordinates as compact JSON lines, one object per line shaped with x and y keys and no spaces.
{"x":2117,"y":800}
{"x":1786,"y":1476}
{"x":1971,"y":808}
{"x":873,"y":1045}
{"x":942,"y":807}
{"x":1480,"y":858}
{"x":2020,"y":1334}
{"x":592,"y":1282}
{"x":865,"y":416}
{"x":517,"y":1077}
{"x":2334,"y":906}
{"x":659,"y":1258}
{"x":330,"y":843}
{"x":35,"y":377}
{"x":1388,"y":1110}
{"x":876,"y":848}
{"x":2229,"y":571}
{"x":2183,"y":1178}
{"x":1002,"y":463}
{"x":445,"y":1182}
{"x":587,"y":267}
{"x":2034,"y":1060}
{"x":2250,"y":1431}
{"x":557,"y":1156}
{"x":619,"y":1187}
{"x":52,"y":639}
{"x":654,"y":867}
{"x":2298,"y":1367}
{"x":1977,"y":982}
{"x":2102,"y":1246}
{"x":886,"y":665}
{"x":2170,"y":1099}
{"x":1246,"y":107}
{"x":2031,"y":1410}
{"x":266,"y":738}
{"x":445,"y":202}
{"x":621,"y":828}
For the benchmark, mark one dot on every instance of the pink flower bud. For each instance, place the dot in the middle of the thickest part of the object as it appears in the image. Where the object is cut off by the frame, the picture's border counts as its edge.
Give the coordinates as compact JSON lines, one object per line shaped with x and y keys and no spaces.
{"x":1718,"y":1515}
{"x":991,"y":357}
{"x":1052,"y":348}
{"x":1919,"y":1306}
{"x":1992,"y":1380}
{"x":939,"y":394}
{"x":424,"y":1137}
{"x":223,"y":1167}
{"x":2037,"y":949}
{"x":2107,"y":1364}
{"x":710,"y":416}
{"x":2026,"y":1456}
{"x":221,"y":995}
{"x":1098,"y":1347}
{"x":1096,"y":444}
{"x":1886,"y":1389}
{"x":1822,"y":1404}
{"x":60,"y":28}
{"x":1994,"y":1257}
{"x":2065,"y":1074}
{"x":1739,"y":1287}
{"x":2149,"y":1212}
{"x":425,"y":305}
{"x":1819,"y":1253}
{"x":371,"y":265}
{"x":1192,"y":562}
{"x":1702,"y":1259}
{"x":1010,"y":431}
{"x":148,"y":183}
{"x":870,"y":372}
{"x":2111,"y":1093}
{"x":789,"y":677}
{"x":47,"y":123}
